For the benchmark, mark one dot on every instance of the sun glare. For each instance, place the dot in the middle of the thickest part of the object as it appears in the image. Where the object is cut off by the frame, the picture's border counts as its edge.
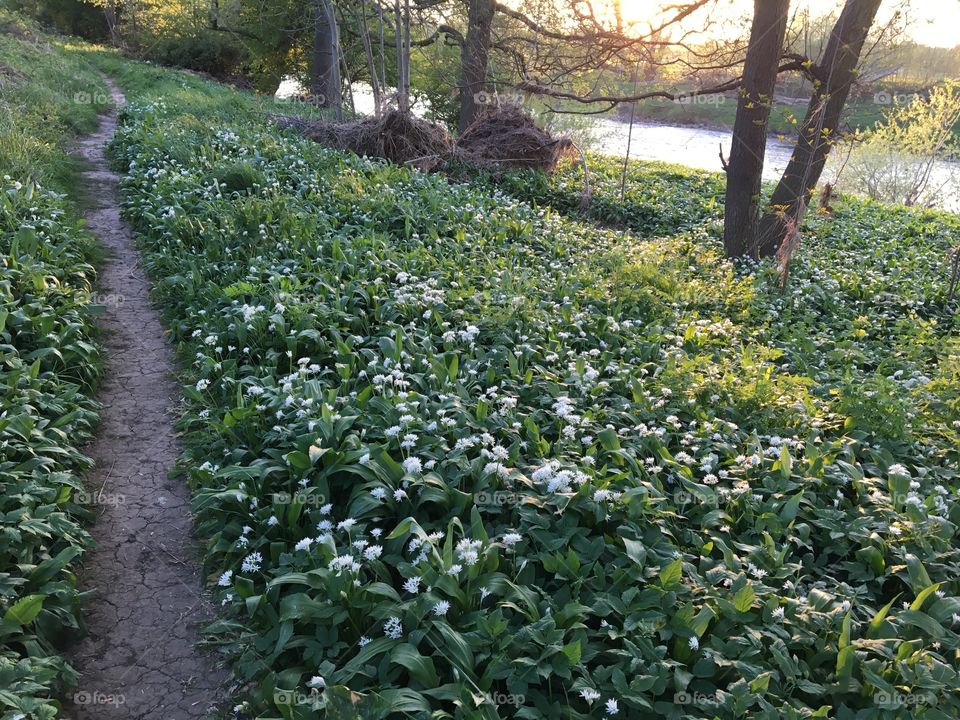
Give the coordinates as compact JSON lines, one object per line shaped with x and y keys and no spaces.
{"x":932,"y":22}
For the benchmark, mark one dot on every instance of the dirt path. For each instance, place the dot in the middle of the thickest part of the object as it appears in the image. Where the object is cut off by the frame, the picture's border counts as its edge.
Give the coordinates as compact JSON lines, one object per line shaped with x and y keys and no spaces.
{"x":139,"y":659}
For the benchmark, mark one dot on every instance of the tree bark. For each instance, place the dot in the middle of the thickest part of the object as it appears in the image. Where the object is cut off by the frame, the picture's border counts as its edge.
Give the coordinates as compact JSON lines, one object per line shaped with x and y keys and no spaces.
{"x":474,"y":58}
{"x":834,"y":76}
{"x":368,"y":55}
{"x":113,"y":23}
{"x":403,"y":102}
{"x":745,"y":168}
{"x":325,"y":60}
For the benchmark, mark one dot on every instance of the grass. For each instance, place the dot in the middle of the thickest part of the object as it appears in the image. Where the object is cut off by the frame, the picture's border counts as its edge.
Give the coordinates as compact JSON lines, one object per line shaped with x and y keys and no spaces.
{"x":49,"y":96}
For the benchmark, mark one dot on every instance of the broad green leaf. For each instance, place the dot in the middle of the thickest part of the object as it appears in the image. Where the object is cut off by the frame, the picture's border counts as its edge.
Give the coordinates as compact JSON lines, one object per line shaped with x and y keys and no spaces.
{"x":24,"y":611}
{"x":744,"y":597}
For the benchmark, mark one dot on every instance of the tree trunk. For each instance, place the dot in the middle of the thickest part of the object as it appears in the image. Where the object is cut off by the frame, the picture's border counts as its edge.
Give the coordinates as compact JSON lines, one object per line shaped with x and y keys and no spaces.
{"x":402,"y":30}
{"x":368,"y":54}
{"x":113,"y":23}
{"x":325,"y":61}
{"x":745,"y":169}
{"x":834,"y":75}
{"x":473,"y":59}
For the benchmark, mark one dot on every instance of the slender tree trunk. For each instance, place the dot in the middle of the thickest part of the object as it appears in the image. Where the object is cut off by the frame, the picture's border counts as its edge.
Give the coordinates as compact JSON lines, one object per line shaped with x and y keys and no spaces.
{"x":368,"y":54}
{"x":745,"y":169}
{"x":134,"y":35}
{"x":474,"y":58}
{"x":325,"y":60}
{"x":383,"y":50}
{"x":403,"y":99}
{"x":113,"y":23}
{"x":406,"y":51}
{"x":335,"y":82}
{"x":835,"y":75}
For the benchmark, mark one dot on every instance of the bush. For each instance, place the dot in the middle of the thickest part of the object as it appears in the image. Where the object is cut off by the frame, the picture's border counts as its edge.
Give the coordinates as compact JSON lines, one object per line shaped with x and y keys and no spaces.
{"x":901,"y":159}
{"x":216,"y":54}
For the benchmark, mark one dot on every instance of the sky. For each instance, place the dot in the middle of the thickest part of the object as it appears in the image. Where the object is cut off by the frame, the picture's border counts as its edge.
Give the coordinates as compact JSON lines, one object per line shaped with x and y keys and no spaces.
{"x":932,"y":22}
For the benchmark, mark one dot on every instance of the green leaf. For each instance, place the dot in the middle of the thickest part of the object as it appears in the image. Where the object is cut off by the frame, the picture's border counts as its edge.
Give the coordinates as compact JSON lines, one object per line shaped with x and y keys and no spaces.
{"x":880,"y":616}
{"x":786,"y":462}
{"x":315,"y":453}
{"x":845,"y":631}
{"x":401,"y":529}
{"x":608,"y":439}
{"x":635,"y":550}
{"x":49,"y":568}
{"x":455,"y":647}
{"x":573,"y":652}
{"x":919,"y":579}
{"x":923,"y":595}
{"x":930,"y":626}
{"x":761,"y":683}
{"x":744,"y":597}
{"x":845,"y":659}
{"x":453,"y":366}
{"x":24,"y":611}
{"x":791,"y":507}
{"x":420,"y":668}
{"x":672,"y":573}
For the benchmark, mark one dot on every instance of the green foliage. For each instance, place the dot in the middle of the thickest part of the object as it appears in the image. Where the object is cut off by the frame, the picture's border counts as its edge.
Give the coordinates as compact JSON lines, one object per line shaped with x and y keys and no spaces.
{"x":48,"y":367}
{"x":659,"y":199}
{"x":431,"y":70}
{"x":894,"y":160}
{"x":457,"y":455}
{"x":218,"y":54}
{"x":47,"y":96}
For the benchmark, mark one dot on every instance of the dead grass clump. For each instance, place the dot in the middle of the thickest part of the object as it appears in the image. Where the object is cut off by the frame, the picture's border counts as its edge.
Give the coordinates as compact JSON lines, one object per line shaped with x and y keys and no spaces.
{"x":503,"y":137}
{"x":401,"y":138}
{"x":508,"y":137}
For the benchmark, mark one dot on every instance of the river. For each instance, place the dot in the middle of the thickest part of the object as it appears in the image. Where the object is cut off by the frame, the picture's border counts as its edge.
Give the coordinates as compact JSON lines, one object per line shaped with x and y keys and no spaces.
{"x":694,"y":147}
{"x":698,"y":147}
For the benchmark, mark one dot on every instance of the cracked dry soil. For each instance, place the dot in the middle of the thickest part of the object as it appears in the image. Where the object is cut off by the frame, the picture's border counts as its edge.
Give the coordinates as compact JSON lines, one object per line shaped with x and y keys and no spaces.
{"x":140,"y":659}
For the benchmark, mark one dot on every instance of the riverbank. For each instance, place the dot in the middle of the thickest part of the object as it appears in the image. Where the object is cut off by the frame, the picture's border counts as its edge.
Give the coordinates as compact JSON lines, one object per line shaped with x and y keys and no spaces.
{"x":717,"y":112}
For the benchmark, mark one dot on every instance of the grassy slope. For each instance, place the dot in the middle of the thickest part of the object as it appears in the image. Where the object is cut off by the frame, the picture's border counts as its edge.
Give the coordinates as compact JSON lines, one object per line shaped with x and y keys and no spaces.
{"x":48,"y":363}
{"x":787,"y":460}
